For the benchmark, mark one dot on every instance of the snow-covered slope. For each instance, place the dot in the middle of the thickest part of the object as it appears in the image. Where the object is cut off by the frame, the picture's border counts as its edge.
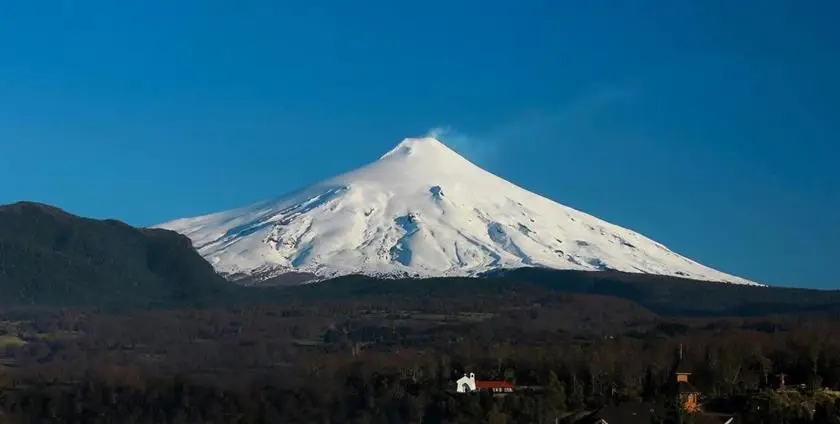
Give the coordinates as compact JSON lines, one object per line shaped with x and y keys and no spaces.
{"x":424,"y":210}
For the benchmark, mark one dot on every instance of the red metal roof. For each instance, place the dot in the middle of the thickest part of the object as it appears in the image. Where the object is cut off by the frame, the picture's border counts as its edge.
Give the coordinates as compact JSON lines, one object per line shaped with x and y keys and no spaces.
{"x":493,"y":384}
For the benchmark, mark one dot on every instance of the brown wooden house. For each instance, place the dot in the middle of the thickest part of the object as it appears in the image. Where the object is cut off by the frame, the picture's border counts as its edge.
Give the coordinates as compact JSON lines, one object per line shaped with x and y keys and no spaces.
{"x":643,"y":413}
{"x":689,"y":396}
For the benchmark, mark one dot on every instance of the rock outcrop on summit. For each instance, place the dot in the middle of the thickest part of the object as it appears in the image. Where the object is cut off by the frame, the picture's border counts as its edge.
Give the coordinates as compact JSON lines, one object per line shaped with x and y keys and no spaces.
{"x":422,"y":210}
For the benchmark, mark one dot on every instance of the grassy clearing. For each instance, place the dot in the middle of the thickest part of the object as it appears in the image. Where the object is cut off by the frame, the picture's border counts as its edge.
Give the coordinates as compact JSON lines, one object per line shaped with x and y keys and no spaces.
{"x":8,"y":340}
{"x":459,"y":317}
{"x":308,"y":343}
{"x":57,"y":335}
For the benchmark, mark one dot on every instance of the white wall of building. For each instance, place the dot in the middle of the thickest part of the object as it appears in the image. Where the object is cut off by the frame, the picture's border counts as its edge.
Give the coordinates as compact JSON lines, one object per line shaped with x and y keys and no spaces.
{"x":466,"y":383}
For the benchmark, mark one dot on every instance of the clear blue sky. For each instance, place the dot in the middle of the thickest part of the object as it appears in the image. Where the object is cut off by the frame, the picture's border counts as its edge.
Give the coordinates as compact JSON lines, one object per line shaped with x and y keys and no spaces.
{"x":712,"y":126}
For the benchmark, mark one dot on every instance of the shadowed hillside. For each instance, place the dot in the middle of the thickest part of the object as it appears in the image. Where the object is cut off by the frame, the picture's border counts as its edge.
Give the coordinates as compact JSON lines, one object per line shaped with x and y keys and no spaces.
{"x":50,"y":257}
{"x":684,"y":297}
{"x":666,"y":296}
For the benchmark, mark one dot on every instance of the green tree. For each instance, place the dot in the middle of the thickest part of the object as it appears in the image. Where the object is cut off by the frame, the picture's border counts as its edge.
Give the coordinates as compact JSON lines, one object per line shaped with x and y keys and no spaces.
{"x":577,"y":398}
{"x":675,"y":413}
{"x":555,"y":394}
{"x":496,"y":416}
{"x":510,"y":375}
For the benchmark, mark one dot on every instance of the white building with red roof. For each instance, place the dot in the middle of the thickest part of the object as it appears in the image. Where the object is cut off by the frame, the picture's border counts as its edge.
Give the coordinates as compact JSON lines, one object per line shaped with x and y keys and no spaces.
{"x":468,"y":383}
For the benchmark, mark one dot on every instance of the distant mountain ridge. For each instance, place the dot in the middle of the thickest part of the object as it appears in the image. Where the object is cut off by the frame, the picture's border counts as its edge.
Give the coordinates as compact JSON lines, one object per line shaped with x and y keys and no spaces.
{"x":422,"y":210}
{"x":50,"y":257}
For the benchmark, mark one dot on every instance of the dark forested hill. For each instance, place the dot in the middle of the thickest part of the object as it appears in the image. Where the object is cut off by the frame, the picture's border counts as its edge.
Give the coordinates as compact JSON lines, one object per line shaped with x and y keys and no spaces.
{"x":666,"y":296}
{"x":50,"y":257}
{"x":682,"y":297}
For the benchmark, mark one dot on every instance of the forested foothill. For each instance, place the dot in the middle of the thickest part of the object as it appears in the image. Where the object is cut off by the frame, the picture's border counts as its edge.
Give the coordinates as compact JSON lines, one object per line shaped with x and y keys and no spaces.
{"x":103,"y":323}
{"x":392,"y":357}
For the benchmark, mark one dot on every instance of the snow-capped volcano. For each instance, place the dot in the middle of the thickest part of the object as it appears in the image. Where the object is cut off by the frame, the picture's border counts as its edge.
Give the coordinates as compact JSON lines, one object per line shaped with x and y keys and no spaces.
{"x":422,"y":209}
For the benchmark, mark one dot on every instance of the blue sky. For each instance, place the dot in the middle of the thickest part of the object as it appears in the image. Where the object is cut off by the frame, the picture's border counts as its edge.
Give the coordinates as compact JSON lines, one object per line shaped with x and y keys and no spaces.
{"x":711,"y":126}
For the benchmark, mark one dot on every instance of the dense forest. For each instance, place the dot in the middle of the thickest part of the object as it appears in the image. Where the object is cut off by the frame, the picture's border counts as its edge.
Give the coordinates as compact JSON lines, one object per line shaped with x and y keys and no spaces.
{"x":393,"y":359}
{"x":104,"y":323}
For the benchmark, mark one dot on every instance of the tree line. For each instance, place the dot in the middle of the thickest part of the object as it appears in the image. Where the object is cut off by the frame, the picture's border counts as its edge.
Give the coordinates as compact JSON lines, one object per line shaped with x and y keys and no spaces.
{"x":385,"y":360}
